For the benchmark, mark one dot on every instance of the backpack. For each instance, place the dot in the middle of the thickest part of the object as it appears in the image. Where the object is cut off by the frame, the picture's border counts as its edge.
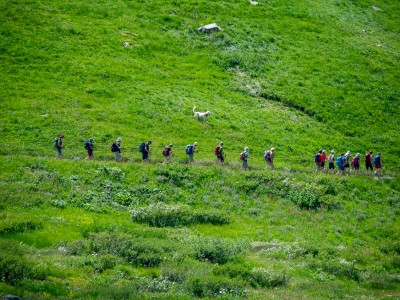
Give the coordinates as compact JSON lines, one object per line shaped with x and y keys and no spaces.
{"x":189,"y":149}
{"x":267,"y":155}
{"x":114,"y":147}
{"x":316,"y":158}
{"x":141,"y":147}
{"x":339,"y":161}
{"x":166,"y":151}
{"x":217,"y":150}
{"x":367,"y":158}
{"x":86,"y":145}
{"x":242,"y":156}
{"x":376,"y":160}
{"x":55,"y":141}
{"x":354,"y":161}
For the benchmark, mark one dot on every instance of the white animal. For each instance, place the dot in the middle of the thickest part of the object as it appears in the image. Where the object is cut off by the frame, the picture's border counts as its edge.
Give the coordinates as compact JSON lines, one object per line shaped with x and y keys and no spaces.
{"x":201,"y":115}
{"x":253,"y":2}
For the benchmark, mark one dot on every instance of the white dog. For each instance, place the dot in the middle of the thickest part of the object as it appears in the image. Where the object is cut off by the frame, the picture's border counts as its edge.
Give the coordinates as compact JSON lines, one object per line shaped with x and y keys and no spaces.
{"x":201,"y":115}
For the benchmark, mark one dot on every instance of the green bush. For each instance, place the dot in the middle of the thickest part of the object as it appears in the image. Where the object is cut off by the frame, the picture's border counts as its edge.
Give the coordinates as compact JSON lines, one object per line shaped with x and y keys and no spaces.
{"x":216,"y":250}
{"x":304,"y":198}
{"x":19,"y":226}
{"x":215,"y":286}
{"x":161,"y":215}
{"x":14,"y":266}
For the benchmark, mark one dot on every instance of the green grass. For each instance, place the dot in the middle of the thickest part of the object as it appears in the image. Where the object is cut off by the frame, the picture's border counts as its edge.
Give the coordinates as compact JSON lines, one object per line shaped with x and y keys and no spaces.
{"x":295,"y":75}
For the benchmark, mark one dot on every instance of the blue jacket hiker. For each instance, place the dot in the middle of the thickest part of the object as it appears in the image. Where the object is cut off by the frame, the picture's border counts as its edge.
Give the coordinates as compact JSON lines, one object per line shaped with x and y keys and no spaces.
{"x":190,"y":150}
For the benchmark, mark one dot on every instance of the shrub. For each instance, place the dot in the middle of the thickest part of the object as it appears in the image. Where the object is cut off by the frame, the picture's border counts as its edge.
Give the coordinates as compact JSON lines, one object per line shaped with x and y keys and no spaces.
{"x":213,"y":286}
{"x":14,"y":266}
{"x":161,"y":215}
{"x":304,"y":198}
{"x":263,"y":278}
{"x":18,"y":226}
{"x":216,"y":251}
{"x":338,"y":268}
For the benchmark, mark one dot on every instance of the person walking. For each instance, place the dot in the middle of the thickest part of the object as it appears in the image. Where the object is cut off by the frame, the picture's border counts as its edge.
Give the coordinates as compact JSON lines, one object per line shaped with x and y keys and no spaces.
{"x":346,"y":162}
{"x":331,"y":160}
{"x":58,"y":145}
{"x":355,"y":163}
{"x":323,"y":159}
{"x":190,"y":150}
{"x":368,"y":161}
{"x":219,"y":152}
{"x":245,"y":157}
{"x":269,"y":158}
{"x":89,"y":147}
{"x":146,"y":152}
{"x":317,"y":160}
{"x":340,"y":164}
{"x":117,"y":149}
{"x":167,"y":153}
{"x":377,"y":161}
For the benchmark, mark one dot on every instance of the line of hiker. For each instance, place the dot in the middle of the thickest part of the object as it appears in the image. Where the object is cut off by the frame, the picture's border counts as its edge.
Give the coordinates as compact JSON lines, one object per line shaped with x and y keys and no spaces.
{"x":347,"y":163}
{"x":145,"y":149}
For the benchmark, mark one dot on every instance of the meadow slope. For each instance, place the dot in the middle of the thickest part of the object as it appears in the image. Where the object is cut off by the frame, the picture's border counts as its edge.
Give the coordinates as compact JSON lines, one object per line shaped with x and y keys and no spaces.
{"x":295,"y":75}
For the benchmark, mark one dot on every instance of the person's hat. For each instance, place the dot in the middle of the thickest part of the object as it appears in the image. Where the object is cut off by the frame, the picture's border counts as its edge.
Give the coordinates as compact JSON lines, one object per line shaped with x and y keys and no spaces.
{"x":379,"y":153}
{"x":246,"y":148}
{"x":272,"y":149}
{"x":91,"y":139}
{"x":332,"y":152}
{"x":221,"y":143}
{"x":119,"y":139}
{"x":358,"y":154}
{"x":195,"y":143}
{"x":170,"y":145}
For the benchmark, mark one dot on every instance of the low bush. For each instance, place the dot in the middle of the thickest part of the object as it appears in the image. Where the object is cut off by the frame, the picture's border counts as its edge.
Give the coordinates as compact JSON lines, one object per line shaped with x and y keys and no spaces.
{"x":161,"y":215}
{"x":304,"y":198}
{"x":216,"y":250}
{"x":19,"y":226}
{"x":14,"y":266}
{"x":214,"y":286}
{"x":338,"y":268}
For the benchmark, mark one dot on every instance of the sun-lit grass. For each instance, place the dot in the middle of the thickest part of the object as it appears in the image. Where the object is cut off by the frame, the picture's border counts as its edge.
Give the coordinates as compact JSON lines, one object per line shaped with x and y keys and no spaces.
{"x":295,"y":75}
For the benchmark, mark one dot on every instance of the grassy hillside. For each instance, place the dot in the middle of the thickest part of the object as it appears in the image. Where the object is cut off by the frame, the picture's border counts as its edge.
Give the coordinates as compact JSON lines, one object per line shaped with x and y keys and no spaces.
{"x":295,"y":75}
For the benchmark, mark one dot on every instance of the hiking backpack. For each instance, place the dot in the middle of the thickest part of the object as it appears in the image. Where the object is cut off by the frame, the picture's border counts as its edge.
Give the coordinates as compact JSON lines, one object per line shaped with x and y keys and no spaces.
{"x":242,"y":156}
{"x":166,"y":151}
{"x":376,"y":160}
{"x":55,"y":141}
{"x":354,"y":161}
{"x":142,"y":146}
{"x":86,"y":145}
{"x":267,"y":155}
{"x":316,"y":158}
{"x":339,"y":161}
{"x":217,"y":150}
{"x":189,"y":149}
{"x":114,"y":147}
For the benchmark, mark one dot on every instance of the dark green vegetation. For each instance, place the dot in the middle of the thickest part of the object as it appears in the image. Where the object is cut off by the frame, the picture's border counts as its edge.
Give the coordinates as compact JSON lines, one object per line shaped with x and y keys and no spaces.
{"x":295,"y":75}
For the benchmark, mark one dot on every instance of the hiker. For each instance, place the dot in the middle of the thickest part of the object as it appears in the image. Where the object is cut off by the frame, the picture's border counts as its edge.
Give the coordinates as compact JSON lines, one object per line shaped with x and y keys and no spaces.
{"x":346,"y":162}
{"x":190,"y":150}
{"x":331,"y":160}
{"x":244,"y":156}
{"x":355,"y":162}
{"x":377,"y":161}
{"x":167,"y":153}
{"x":58,"y":145}
{"x":219,"y":152}
{"x":323,"y":159}
{"x":116,"y":147}
{"x":89,"y":147}
{"x":340,"y":164}
{"x":145,"y":149}
{"x":368,"y":161}
{"x":317,"y":160}
{"x":269,"y":158}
